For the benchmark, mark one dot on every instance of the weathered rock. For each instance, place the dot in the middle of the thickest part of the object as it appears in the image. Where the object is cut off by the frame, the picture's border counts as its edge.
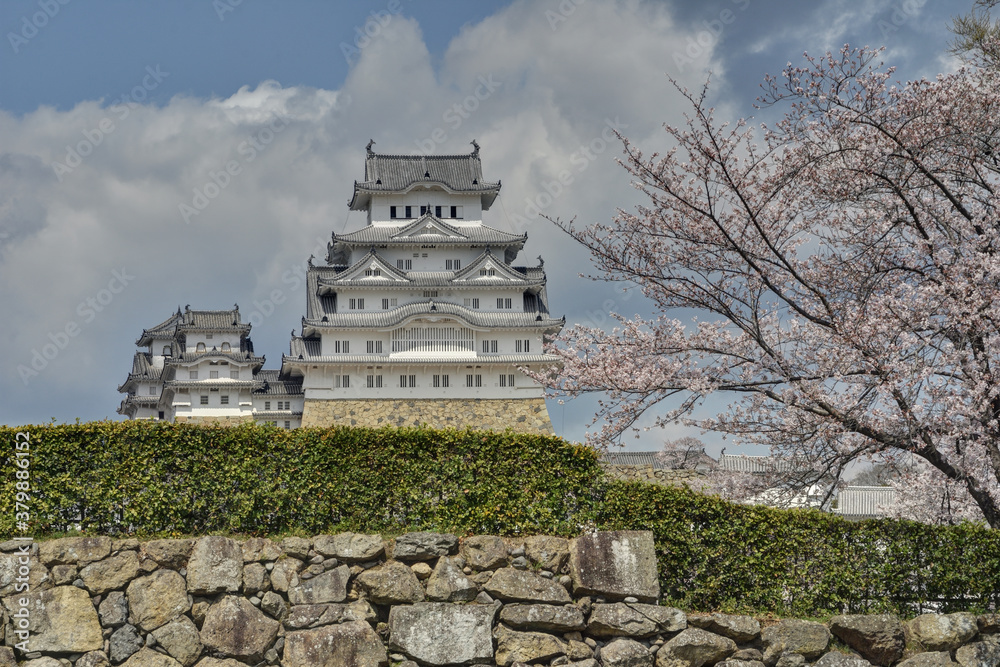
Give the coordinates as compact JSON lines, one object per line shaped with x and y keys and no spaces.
{"x":147,"y":657}
{"x":180,"y":638}
{"x":578,"y":650}
{"x":92,"y":659}
{"x":216,"y":662}
{"x":61,"y":620}
{"x":255,"y":579}
{"x":331,"y":586}
{"x":260,"y":548}
{"x":350,"y":547}
{"x":296,"y":547}
{"x":69,"y":550}
{"x":215,"y":566}
{"x":838,"y":659}
{"x":733,"y":662}
{"x":804,"y":638}
{"x":631,"y":619}
{"x":512,"y":585}
{"x":113,"y":609}
{"x":615,"y":565}
{"x":44,"y":661}
{"x":549,"y":553}
{"x":930,"y":659}
{"x":437,"y":633}
{"x":125,"y":641}
{"x":352,"y":644}
{"x":515,"y":646}
{"x":484,"y":552}
{"x":63,"y":574}
{"x":549,"y":618}
{"x":391,"y":583}
{"x":274,"y":605}
{"x":235,"y":627}
{"x":111,"y":573}
{"x":448,"y":583}
{"x":314,"y":615}
{"x":747,"y":654}
{"x":156,"y":599}
{"x":626,"y":653}
{"x":741,"y":629}
{"x":694,"y":647}
{"x":168,"y":553}
{"x":979,"y":654}
{"x":943,"y":632}
{"x":878,"y":638}
{"x":424,"y":546}
{"x":38,"y":575}
{"x":988,"y":623}
{"x":285,"y":574}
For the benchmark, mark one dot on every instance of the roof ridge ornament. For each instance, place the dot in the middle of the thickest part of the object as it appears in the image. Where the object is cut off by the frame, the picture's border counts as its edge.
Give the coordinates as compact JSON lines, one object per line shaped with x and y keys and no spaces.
{"x":475,"y":148}
{"x":371,"y":142}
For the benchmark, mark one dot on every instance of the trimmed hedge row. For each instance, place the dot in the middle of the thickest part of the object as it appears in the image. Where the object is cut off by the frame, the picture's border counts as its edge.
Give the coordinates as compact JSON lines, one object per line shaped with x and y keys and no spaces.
{"x":154,"y":478}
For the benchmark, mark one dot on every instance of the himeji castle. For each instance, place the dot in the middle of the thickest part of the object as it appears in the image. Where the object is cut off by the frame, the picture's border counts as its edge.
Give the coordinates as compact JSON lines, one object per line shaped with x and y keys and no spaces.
{"x":418,"y":317}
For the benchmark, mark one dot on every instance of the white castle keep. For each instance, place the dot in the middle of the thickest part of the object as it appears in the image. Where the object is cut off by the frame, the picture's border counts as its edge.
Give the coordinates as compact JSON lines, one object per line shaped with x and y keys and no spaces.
{"x":419,"y":317}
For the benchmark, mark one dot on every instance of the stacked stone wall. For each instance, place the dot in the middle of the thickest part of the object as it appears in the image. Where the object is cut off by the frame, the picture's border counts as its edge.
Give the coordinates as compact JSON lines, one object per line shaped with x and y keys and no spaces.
{"x":526,"y":415}
{"x":214,"y":421}
{"x":354,"y":600}
{"x":651,"y":475}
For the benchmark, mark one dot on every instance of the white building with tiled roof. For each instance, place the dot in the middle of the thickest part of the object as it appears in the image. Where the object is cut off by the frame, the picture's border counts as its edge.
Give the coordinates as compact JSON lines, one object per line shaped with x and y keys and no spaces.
{"x":199,"y":366}
{"x":420,"y":316}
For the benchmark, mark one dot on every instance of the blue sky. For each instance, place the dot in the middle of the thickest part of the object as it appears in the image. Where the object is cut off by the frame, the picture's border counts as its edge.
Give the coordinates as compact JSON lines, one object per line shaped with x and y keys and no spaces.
{"x":165,"y":93}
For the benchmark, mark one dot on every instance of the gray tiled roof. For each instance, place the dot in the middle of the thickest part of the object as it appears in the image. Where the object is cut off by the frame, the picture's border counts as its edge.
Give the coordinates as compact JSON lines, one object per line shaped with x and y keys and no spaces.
{"x":757,"y":464}
{"x":397,"y":173}
{"x":142,"y":370}
{"x":662,"y":460}
{"x":191,"y":356}
{"x":458,"y":235}
{"x":274,"y":386}
{"x":476,"y":318}
{"x":865,"y":501}
{"x":465,"y":278}
{"x":215,"y":320}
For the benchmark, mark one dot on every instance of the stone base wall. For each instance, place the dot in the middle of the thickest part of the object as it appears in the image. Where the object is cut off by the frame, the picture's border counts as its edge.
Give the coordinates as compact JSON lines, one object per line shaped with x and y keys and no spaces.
{"x":527,"y":415}
{"x":214,"y":421}
{"x":354,"y":600}
{"x":647,"y":473}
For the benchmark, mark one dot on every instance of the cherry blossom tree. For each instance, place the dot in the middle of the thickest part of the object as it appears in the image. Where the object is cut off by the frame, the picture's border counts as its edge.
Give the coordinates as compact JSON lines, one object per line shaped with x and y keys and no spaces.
{"x":836,"y":276}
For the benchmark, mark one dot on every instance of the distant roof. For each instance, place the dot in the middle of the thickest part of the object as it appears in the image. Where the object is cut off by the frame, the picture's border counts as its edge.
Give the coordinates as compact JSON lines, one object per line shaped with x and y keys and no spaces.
{"x":142,"y":370}
{"x":386,"y":174}
{"x":661,"y":460}
{"x":407,"y":234}
{"x":275,"y":386}
{"x":865,"y":501}
{"x":755,"y":464}
{"x":476,"y":318}
{"x":191,"y":320}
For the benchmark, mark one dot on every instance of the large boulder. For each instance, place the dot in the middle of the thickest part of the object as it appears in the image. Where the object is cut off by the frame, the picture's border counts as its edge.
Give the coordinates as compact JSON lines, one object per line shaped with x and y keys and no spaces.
{"x":157,"y":599}
{"x":448,"y":583}
{"x":352,"y":644}
{"x":547,"y":552}
{"x":215,"y":566}
{"x":930,"y":659}
{"x":124,"y":642}
{"x":330,"y":586}
{"x":878,"y":638}
{"x":391,"y":583}
{"x":979,"y":654}
{"x":435,"y":633}
{"x":10,"y":572}
{"x":804,"y":638}
{"x":285,"y":574}
{"x":350,"y":547}
{"x":258,"y":549}
{"x":180,"y":638}
{"x":943,"y":632}
{"x":236,"y":628}
{"x":741,"y":629}
{"x":625,"y":619}
{"x":169,"y":553}
{"x":111,"y":573}
{"x":302,"y":617}
{"x":424,"y":546}
{"x":615,"y":565}
{"x":70,"y":550}
{"x":522,"y":647}
{"x":512,"y":585}
{"x":61,"y":620}
{"x":484,"y":552}
{"x":113,"y":609}
{"x":694,"y":647}
{"x":838,"y":659}
{"x":626,"y":653}
{"x":147,"y":657}
{"x":546,"y":617}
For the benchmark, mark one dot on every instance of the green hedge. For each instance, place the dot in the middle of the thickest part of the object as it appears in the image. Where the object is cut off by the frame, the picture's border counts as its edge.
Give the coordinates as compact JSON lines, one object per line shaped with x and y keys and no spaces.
{"x":154,"y":478}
